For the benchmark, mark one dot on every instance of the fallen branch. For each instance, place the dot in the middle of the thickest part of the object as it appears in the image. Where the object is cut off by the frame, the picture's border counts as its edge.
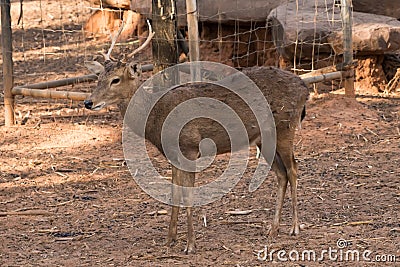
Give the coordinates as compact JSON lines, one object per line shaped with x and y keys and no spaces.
{"x":359,"y":223}
{"x":242,"y":222}
{"x":159,"y":257}
{"x":239,"y":212}
{"x":372,"y":132}
{"x":352,"y":223}
{"x":393,"y":83}
{"x":26,"y":213}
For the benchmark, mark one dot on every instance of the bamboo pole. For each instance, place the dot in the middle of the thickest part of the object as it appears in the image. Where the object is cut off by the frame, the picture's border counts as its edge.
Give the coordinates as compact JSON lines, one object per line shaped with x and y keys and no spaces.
{"x":37,"y":89}
{"x":8,"y":72}
{"x":338,"y":67}
{"x":28,"y":90}
{"x":322,"y":78}
{"x":46,"y":93}
{"x":58,"y":83}
{"x":348,"y":46}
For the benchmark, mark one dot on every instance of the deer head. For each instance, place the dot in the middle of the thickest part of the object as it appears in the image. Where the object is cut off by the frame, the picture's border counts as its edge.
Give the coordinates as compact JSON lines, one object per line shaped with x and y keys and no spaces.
{"x":117,"y":80}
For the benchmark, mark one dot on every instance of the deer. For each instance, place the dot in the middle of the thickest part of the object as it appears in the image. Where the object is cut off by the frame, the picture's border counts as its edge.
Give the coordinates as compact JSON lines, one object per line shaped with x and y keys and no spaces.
{"x":286,"y":94}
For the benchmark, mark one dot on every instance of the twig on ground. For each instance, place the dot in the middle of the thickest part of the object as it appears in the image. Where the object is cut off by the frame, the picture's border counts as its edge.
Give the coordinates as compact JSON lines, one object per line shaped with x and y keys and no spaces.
{"x":26,"y":213}
{"x":366,"y":128}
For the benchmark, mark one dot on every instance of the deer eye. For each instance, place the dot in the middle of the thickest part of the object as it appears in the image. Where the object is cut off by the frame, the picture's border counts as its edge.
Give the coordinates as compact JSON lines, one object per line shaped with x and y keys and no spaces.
{"x":115,"y":81}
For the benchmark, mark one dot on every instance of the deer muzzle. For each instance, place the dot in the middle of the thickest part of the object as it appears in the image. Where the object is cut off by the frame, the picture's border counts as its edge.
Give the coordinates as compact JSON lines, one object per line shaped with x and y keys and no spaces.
{"x":88,"y":104}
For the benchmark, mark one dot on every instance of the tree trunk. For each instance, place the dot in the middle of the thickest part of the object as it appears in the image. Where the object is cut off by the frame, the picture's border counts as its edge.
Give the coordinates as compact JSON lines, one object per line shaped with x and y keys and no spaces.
{"x":164,"y":43}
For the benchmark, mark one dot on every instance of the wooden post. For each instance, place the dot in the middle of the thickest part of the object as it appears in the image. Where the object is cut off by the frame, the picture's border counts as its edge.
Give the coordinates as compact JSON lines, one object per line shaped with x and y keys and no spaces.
{"x":164,"y":43}
{"x":8,"y":73}
{"x":193,"y":32}
{"x":346,"y":13}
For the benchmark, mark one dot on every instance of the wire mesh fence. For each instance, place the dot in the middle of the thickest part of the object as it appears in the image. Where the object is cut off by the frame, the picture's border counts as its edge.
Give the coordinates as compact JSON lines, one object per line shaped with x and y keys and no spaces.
{"x":53,"y":39}
{"x":296,"y":34}
{"x":301,"y":35}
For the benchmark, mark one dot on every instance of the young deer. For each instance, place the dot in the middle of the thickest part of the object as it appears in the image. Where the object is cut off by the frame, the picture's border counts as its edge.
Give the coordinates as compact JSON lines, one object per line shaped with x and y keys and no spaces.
{"x":286,"y":93}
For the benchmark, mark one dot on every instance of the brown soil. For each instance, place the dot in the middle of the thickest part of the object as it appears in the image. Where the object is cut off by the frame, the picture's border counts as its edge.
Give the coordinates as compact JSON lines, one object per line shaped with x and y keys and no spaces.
{"x":67,"y":198}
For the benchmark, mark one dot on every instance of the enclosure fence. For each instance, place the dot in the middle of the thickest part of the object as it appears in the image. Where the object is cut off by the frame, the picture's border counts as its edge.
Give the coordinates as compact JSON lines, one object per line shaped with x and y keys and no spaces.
{"x":312,"y":38}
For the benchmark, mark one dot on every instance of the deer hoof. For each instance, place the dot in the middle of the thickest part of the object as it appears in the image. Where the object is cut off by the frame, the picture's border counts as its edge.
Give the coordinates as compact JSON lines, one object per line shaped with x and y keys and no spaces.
{"x":295,"y":230}
{"x":170,"y":242}
{"x":190,"y":249}
{"x":273,"y":233}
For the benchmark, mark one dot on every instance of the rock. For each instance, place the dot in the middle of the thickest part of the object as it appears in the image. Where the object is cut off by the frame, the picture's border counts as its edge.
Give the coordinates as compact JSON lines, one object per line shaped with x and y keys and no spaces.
{"x":103,"y":22}
{"x":290,"y":25}
{"x":369,"y":74}
{"x":372,"y":34}
{"x":238,"y":47}
{"x":123,"y":4}
{"x":389,"y":8}
{"x":373,"y":37}
{"x":222,"y":11}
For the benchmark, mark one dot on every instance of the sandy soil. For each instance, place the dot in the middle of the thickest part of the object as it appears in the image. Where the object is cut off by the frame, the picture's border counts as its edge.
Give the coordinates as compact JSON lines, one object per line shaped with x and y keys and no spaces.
{"x":68,"y":199}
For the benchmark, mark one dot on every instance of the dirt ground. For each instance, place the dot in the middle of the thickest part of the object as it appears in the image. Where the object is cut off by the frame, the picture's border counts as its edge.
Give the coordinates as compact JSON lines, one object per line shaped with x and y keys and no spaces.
{"x":68,"y":199}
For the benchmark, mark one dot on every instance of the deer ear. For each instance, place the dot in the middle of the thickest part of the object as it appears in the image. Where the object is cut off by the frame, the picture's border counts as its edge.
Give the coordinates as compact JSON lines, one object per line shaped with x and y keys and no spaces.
{"x":134,"y":69}
{"x":94,"y":67}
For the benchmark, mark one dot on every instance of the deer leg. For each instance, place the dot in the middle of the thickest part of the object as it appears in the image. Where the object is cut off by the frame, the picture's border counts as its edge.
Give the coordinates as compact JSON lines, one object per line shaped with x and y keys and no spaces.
{"x":185,"y":194}
{"x":188,"y":202}
{"x":282,"y":178}
{"x":290,"y":164}
{"x":173,"y":225}
{"x":176,"y":198}
{"x":292,"y":175}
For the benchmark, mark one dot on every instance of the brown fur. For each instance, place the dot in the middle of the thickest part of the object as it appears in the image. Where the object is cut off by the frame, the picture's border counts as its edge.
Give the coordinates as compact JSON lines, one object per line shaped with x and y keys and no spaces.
{"x":286,"y":94}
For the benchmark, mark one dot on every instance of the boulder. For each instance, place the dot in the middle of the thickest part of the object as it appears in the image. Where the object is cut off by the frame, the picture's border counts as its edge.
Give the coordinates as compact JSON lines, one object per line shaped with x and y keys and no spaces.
{"x":389,"y":8}
{"x":318,"y":30}
{"x":103,"y":22}
{"x":123,"y":4}
{"x":237,"y":46}
{"x":372,"y":34}
{"x":221,"y":11}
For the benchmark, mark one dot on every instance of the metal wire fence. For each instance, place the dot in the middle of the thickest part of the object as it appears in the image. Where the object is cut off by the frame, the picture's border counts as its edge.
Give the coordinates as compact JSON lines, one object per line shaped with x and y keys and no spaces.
{"x":51,"y":40}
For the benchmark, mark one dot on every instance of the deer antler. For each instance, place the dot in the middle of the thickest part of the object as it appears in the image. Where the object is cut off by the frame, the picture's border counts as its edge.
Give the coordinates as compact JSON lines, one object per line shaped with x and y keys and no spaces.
{"x":113,"y":41}
{"x":146,"y":43}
